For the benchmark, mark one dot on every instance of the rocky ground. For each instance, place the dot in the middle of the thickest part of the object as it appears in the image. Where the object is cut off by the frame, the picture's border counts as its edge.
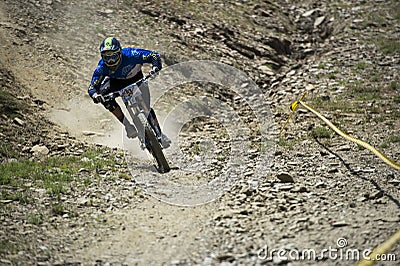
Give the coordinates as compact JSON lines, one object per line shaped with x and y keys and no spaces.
{"x":68,"y":198}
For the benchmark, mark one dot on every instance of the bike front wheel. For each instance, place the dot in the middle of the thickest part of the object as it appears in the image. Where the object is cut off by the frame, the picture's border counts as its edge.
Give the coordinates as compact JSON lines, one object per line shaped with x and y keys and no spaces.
{"x":154,"y":147}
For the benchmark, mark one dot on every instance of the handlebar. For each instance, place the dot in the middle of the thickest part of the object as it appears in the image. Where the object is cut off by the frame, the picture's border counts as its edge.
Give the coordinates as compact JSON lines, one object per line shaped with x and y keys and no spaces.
{"x":126,"y":90}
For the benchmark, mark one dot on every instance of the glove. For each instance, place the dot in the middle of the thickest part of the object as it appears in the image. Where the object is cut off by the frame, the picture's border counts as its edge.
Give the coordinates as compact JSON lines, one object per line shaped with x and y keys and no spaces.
{"x":97,"y":98}
{"x":153,"y":72}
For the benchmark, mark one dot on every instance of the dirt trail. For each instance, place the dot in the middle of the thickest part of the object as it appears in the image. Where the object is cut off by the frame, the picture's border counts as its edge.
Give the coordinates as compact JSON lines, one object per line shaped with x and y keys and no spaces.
{"x":154,"y":233}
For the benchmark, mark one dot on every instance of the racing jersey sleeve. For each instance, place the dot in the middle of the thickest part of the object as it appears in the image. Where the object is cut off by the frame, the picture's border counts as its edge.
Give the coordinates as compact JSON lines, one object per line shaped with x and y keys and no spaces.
{"x":148,"y":56}
{"x":98,"y":75}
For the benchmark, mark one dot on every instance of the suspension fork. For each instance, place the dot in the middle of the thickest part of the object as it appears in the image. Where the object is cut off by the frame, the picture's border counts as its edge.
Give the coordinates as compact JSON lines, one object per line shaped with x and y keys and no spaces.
{"x":154,"y":123}
{"x":151,"y":116}
{"x":133,"y":111}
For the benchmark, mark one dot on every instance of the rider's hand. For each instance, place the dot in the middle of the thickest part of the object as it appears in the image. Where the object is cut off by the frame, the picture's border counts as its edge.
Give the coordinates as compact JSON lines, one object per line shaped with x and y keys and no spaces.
{"x":97,"y":98}
{"x":153,"y":72}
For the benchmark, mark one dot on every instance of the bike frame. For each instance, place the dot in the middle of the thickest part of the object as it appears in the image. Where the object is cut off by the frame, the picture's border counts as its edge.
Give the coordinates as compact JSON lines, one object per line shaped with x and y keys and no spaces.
{"x":132,"y":97}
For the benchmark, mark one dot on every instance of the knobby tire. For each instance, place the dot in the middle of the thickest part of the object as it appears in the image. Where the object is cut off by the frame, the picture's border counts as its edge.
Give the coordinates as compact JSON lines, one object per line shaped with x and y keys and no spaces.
{"x":155,"y":149}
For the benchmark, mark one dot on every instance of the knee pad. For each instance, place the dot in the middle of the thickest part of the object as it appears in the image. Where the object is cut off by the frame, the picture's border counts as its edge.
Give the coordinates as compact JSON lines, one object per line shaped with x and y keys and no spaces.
{"x":110,"y":105}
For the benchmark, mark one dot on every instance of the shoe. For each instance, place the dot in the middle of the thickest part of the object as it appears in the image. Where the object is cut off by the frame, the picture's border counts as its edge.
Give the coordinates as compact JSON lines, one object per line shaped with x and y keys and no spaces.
{"x":131,"y":131}
{"x":165,"y":141}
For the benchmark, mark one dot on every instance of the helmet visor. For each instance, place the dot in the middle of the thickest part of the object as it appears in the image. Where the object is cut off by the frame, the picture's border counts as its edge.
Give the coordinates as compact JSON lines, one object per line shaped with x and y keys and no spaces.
{"x":111,"y":57}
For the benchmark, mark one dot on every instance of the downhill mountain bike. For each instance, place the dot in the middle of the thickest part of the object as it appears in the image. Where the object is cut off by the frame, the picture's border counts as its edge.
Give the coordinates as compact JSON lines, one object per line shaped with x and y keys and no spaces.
{"x":148,"y":133}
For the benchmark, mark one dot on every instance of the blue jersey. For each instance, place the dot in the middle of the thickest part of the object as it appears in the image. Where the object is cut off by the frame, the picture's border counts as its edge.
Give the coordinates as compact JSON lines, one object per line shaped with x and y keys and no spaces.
{"x":131,"y":64}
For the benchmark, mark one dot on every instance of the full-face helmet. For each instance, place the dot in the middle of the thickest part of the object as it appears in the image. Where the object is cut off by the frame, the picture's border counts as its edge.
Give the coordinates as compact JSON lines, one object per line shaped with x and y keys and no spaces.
{"x":110,"y":50}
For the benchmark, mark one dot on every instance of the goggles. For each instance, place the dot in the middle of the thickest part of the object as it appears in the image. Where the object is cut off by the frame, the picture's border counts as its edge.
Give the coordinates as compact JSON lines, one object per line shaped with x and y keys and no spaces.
{"x":111,"y":57}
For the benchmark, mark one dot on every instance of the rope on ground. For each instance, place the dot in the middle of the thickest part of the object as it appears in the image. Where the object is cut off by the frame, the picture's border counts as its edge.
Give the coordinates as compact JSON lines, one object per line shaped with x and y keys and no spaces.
{"x":386,"y":246}
{"x":383,"y":248}
{"x":377,"y":152}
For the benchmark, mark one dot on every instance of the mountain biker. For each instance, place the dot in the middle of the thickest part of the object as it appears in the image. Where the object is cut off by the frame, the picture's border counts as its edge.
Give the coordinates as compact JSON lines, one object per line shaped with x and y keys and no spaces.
{"x":118,"y":68}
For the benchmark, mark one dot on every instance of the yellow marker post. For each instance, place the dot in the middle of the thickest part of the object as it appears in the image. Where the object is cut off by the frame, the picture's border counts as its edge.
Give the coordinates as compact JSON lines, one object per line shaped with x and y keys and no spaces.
{"x":293,"y":108}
